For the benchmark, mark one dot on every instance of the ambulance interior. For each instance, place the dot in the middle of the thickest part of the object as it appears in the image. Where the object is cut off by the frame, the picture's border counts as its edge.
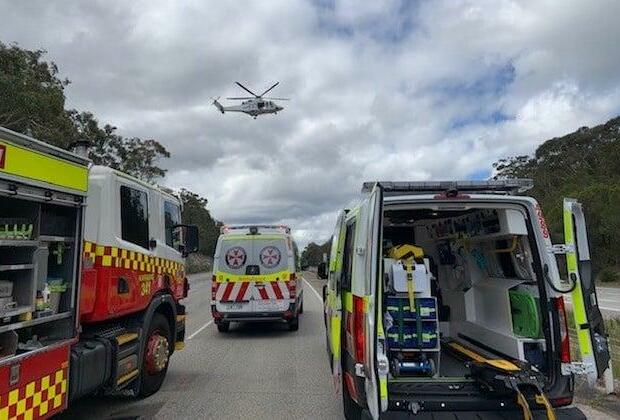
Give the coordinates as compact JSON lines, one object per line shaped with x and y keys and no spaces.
{"x":469,"y":277}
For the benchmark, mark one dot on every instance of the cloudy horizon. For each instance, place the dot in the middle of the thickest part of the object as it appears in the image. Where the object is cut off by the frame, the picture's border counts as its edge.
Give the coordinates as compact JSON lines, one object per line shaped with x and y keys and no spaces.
{"x":392,"y":90}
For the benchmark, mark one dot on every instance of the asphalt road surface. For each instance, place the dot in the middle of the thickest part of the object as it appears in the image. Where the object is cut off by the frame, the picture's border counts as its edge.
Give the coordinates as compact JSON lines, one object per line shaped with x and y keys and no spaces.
{"x":258,"y":371}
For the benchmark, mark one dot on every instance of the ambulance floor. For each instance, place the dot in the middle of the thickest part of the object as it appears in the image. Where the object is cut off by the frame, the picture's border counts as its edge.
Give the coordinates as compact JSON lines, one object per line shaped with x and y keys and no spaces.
{"x":450,"y":366}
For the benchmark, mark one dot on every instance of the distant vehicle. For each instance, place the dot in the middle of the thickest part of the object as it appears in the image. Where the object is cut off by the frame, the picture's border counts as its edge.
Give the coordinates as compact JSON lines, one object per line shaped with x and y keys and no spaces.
{"x":254,"y":105}
{"x":256,"y":276}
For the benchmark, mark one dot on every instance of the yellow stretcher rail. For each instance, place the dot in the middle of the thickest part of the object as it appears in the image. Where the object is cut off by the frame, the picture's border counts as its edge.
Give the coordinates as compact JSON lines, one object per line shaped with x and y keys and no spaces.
{"x":512,"y":380}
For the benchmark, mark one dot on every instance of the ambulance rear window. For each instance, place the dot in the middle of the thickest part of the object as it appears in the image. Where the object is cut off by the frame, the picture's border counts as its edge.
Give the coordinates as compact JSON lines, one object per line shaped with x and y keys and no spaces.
{"x":245,"y":256}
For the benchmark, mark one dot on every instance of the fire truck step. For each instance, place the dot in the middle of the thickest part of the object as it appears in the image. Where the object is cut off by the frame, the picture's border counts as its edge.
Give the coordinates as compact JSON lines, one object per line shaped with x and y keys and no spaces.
{"x":123,"y":379}
{"x":126,"y":338}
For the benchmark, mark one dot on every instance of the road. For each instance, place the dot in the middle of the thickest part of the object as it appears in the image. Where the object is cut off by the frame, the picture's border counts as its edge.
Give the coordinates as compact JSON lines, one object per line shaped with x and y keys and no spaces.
{"x":258,"y":371}
{"x":608,"y":301}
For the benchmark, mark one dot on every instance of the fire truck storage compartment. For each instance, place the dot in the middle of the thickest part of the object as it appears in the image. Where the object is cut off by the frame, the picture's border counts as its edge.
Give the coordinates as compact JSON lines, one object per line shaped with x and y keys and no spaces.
{"x":39,"y":246}
{"x":481,"y":288}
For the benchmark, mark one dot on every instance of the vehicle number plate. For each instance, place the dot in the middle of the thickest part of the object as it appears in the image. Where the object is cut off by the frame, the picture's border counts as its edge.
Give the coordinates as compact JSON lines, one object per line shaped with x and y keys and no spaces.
{"x":234,"y":306}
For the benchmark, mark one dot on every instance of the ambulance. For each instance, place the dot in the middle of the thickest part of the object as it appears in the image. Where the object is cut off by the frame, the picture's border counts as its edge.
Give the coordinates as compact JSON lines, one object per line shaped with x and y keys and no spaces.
{"x":448,"y":297}
{"x":256,"y":276}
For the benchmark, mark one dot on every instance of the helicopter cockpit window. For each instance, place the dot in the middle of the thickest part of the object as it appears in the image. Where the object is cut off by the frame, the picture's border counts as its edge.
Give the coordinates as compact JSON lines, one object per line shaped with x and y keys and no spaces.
{"x":261,"y":105}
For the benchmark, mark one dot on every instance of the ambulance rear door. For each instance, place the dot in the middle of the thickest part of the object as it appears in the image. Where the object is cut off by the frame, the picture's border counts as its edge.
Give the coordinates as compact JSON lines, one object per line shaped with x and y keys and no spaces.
{"x":592,"y":339}
{"x":368,"y":252}
{"x":271,"y":273}
{"x":234,"y":290}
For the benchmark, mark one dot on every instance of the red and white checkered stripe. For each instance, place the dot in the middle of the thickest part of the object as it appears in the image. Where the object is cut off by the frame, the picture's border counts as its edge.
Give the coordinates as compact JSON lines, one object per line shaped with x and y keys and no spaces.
{"x":242,"y":291}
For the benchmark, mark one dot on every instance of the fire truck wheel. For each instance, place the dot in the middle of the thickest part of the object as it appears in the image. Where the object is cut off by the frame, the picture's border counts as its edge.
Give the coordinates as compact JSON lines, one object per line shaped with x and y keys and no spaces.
{"x":156,"y":355}
{"x":223,"y":327}
{"x":301,"y":307}
{"x":293,"y":324}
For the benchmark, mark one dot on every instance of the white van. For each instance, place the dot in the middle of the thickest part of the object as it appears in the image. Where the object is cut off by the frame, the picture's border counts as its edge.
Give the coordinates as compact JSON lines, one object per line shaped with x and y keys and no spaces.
{"x":447,"y":297}
{"x":256,"y":276}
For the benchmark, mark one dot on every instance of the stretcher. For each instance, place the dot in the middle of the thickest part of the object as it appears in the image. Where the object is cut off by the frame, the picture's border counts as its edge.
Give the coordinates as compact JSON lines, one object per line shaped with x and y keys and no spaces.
{"x":505,"y":377}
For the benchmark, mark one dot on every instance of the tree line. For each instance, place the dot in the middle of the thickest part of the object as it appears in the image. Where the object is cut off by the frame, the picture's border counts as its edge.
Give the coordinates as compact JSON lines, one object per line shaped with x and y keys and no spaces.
{"x":34,"y":103}
{"x":584,"y":165}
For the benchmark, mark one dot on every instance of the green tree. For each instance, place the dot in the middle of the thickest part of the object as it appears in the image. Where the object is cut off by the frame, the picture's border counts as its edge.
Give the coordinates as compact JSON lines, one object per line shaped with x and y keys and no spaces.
{"x":133,"y":155}
{"x":195,"y":213}
{"x":33,"y":98}
{"x":312,"y":255}
{"x":583,"y":165}
{"x":33,"y":103}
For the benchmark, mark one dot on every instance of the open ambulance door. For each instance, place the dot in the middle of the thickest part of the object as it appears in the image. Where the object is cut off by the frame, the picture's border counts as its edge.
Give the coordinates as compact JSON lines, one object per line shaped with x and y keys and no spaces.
{"x":333,"y":301}
{"x":593,"y":343}
{"x":376,"y":363}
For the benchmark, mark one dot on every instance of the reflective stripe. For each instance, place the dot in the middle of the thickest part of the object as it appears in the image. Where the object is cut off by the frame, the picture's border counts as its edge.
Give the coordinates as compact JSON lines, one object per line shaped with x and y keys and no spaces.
{"x":37,"y":166}
{"x":348,"y":301}
{"x":336,"y":322}
{"x":223,"y":277}
{"x":111,"y":256}
{"x":383,"y":389}
{"x":579,"y":310}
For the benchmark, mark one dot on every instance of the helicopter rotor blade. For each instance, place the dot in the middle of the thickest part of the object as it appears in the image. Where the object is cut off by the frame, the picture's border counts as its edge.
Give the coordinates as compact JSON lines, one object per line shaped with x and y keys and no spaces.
{"x":263,"y":94}
{"x":247,"y":90}
{"x":277,"y":99}
{"x":242,"y":98}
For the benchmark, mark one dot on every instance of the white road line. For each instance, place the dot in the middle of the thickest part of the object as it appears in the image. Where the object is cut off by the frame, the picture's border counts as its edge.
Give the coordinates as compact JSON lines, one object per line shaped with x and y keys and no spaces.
{"x":200,"y":329}
{"x":319,"y":297}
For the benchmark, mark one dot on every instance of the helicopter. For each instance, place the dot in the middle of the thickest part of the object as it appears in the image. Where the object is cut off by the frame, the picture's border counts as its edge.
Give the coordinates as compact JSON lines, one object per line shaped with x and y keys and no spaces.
{"x":254,"y":105}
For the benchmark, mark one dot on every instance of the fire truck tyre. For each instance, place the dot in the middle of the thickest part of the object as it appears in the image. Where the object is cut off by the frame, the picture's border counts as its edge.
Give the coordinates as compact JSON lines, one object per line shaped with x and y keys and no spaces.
{"x":156,"y":355}
{"x":301,"y":307}
{"x":293,"y":324}
{"x":223,"y":327}
{"x":352,"y":411}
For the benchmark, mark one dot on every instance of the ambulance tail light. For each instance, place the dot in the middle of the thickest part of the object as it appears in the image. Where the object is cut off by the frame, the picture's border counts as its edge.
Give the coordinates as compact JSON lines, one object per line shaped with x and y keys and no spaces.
{"x":564,"y":337}
{"x":292,"y":286}
{"x":359,"y":333}
{"x":213,"y":288}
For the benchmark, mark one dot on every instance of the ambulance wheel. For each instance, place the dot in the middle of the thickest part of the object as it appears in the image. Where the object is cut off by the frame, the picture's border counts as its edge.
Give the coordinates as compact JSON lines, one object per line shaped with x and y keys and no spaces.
{"x":157,"y":350}
{"x":293,"y":324}
{"x":352,"y":411}
{"x":223,"y":327}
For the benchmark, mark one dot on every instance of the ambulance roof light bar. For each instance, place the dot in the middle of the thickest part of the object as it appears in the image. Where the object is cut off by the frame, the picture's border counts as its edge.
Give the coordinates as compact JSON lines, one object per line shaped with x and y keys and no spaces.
{"x":254,"y":229}
{"x":500,"y":186}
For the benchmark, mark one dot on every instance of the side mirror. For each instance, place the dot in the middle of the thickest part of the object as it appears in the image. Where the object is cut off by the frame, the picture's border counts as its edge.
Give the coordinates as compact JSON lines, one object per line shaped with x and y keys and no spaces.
{"x":185,"y":239}
{"x":322,"y":271}
{"x":324,"y":292}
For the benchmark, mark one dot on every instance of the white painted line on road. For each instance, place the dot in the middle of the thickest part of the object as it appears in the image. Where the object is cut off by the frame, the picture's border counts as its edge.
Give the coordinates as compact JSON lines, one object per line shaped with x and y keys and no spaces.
{"x":314,"y":290}
{"x":200,"y":329}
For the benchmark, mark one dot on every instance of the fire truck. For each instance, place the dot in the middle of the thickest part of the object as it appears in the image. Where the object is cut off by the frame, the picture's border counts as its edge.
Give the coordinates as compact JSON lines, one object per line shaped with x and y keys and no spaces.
{"x":91,"y":279}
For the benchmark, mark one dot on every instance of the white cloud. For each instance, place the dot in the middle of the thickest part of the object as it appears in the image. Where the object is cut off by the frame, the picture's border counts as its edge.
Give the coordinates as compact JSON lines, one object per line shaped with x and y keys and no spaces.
{"x":380,"y":90}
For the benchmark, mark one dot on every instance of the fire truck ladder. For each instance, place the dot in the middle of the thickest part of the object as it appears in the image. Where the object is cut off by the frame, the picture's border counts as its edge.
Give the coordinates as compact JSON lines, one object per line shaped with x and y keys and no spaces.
{"x":505,"y":376}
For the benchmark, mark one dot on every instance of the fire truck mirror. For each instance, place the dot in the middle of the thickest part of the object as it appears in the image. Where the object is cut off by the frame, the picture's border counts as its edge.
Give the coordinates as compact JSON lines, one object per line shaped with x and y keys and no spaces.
{"x":185,"y":238}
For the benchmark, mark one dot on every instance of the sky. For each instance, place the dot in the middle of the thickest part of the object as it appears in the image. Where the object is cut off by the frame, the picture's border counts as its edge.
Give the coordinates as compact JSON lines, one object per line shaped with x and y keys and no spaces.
{"x":380,"y":90}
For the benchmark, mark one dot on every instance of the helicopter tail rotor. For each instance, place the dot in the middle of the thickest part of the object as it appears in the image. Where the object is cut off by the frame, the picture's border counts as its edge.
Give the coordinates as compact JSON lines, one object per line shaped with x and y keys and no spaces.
{"x":218,"y":105}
